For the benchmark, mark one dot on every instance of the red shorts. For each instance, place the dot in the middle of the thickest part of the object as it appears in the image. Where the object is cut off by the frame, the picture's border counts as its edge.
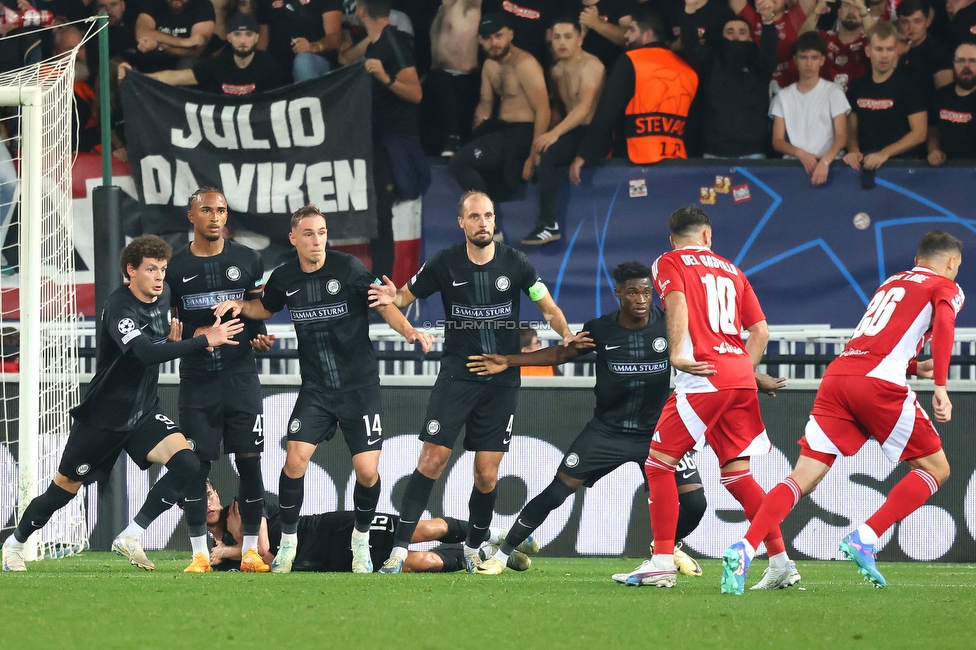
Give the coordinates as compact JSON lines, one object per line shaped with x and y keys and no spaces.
{"x":728,"y":419}
{"x":849,"y":409}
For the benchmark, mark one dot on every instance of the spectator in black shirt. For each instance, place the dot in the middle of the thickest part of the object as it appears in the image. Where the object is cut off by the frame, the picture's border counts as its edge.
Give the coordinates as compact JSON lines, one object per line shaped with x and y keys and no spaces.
{"x":303,"y":35}
{"x":962,"y":15}
{"x":927,"y":58}
{"x":952,"y":129}
{"x":239,"y":70}
{"x":735,"y":75}
{"x":888,"y":117}
{"x":173,"y":33}
{"x":400,"y":168}
{"x":604,"y":23}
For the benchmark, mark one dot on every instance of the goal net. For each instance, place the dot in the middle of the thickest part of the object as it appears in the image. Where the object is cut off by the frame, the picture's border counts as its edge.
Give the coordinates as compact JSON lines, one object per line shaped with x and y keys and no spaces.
{"x":38,"y":312}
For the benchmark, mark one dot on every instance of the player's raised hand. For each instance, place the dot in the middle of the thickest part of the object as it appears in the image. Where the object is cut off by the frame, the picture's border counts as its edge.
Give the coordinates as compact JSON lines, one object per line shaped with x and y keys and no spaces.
{"x":263,"y":342}
{"x":233,"y":307}
{"x":768,"y":384}
{"x":699,"y":368}
{"x":223,"y":333}
{"x":426,"y":341}
{"x":487,"y":364}
{"x":175,"y":330}
{"x":941,"y":404}
{"x":580,"y":341}
{"x":382,"y":294}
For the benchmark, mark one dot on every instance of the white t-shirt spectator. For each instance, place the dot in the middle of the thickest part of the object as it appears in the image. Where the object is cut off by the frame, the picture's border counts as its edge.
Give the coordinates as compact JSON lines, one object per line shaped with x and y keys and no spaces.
{"x":810,"y":117}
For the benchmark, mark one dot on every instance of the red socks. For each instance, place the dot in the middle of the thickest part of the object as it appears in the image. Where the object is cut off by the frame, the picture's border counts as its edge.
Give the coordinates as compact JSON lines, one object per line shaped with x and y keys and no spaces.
{"x":746,"y":491}
{"x":905,"y":498}
{"x":777,"y":504}
{"x":662,"y":503}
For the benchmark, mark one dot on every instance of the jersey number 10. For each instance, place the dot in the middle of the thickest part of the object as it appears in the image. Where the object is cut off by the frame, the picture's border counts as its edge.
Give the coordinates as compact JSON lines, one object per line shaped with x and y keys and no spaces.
{"x":720,"y":293}
{"x":879,"y":312}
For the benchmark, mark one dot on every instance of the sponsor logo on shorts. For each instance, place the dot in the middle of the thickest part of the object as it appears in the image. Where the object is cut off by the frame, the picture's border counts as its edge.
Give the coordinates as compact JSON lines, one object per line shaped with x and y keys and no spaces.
{"x":660,"y":344}
{"x":433,"y":427}
{"x":333,"y":286}
{"x":638,"y":367}
{"x":83,"y":469}
{"x":572,"y":460}
{"x":294,"y":426}
{"x":503,"y":283}
{"x":687,"y":474}
{"x":233,"y":273}
{"x":199,"y":301}
{"x":259,"y":440}
{"x":726,"y":348}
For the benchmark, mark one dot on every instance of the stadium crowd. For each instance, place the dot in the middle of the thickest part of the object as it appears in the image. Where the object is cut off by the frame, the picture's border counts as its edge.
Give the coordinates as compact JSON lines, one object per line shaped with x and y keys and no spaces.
{"x":512,"y":92}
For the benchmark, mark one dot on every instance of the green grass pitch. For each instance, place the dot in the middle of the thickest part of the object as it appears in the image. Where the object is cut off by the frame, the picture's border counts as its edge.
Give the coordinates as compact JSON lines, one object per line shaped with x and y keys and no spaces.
{"x":99,"y":601}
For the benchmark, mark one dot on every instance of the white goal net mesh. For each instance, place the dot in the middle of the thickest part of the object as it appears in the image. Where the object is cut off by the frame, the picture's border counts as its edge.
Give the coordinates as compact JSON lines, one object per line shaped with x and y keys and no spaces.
{"x":38,"y":309}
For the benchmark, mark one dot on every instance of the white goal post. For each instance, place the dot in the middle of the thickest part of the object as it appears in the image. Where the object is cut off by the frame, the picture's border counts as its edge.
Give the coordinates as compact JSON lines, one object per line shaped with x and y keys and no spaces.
{"x":45,"y":312}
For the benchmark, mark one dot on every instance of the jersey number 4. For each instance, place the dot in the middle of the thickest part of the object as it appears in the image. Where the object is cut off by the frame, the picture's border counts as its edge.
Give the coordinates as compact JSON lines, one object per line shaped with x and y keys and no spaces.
{"x":720,"y":293}
{"x":879,"y":312}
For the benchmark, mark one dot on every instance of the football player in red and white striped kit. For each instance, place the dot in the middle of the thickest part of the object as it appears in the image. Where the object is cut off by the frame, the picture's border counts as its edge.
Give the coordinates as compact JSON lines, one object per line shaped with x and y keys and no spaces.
{"x":864,"y":395}
{"x":707,"y":302}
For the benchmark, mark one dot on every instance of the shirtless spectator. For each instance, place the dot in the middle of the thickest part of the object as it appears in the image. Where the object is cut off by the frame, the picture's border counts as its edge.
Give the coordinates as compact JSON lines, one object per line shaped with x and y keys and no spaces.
{"x":846,"y":59}
{"x":529,"y":20}
{"x":452,"y":85}
{"x":577,"y":78}
{"x":302,"y":35}
{"x":788,"y":23}
{"x":504,"y":145}
{"x":172,"y":34}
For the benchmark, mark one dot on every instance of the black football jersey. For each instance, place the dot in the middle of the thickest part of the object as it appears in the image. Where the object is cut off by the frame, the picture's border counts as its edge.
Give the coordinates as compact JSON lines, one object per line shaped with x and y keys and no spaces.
{"x":481,"y":306}
{"x":329,"y":308}
{"x":633,"y":373}
{"x":124,"y":388}
{"x":199,"y":283}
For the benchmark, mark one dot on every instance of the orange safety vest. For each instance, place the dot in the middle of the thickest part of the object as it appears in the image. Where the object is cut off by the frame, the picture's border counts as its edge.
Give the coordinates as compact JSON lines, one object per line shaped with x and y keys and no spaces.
{"x":537,"y":371}
{"x":655,"y":118}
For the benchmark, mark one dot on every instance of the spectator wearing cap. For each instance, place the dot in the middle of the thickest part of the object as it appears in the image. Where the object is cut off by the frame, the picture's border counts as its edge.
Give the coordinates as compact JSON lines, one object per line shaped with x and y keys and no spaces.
{"x":400,"y":168}
{"x":502,"y":147}
{"x":303,"y":35}
{"x":173,"y":33}
{"x":952,"y":127}
{"x":529,"y":20}
{"x":239,"y":70}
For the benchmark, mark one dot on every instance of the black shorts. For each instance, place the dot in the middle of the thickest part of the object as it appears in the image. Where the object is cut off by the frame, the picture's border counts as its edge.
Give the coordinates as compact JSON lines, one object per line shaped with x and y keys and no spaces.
{"x":224,"y":407}
{"x":486,"y":412}
{"x":318,"y":411}
{"x":91,"y":452}
{"x":598,"y":450}
{"x":324,"y":541}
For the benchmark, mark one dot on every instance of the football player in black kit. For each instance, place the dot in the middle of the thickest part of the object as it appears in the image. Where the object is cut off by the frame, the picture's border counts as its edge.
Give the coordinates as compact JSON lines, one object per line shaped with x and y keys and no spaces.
{"x":326,"y":295}
{"x":121,"y":409}
{"x":480,"y":283}
{"x":324,"y":540}
{"x":220,"y":394}
{"x":633,"y":380}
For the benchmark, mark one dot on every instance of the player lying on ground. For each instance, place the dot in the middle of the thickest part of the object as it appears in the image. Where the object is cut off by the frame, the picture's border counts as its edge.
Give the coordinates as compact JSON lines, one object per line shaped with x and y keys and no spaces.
{"x":633,"y":379}
{"x":324,"y":540}
{"x":864,"y":395}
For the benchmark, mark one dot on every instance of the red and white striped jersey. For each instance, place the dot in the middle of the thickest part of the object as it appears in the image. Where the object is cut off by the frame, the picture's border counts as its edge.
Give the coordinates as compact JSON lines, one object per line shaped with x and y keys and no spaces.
{"x":720,"y":303}
{"x":898,"y":319}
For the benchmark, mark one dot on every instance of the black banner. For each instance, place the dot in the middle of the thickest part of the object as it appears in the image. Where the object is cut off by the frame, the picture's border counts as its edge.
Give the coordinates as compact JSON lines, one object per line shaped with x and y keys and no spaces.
{"x":269,"y":153}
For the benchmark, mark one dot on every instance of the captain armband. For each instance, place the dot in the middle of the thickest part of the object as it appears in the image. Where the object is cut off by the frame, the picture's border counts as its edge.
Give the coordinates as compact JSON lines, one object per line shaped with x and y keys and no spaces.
{"x":538,"y":291}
